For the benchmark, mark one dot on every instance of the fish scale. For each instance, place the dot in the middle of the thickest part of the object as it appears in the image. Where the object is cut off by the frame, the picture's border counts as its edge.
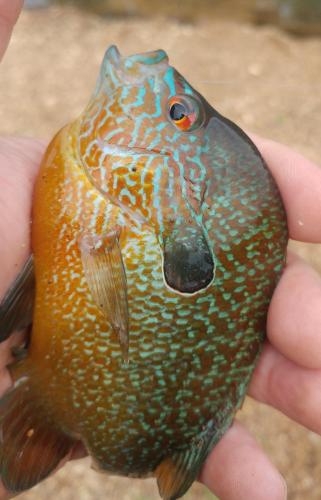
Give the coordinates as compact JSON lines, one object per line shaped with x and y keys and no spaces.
{"x":157,"y":244}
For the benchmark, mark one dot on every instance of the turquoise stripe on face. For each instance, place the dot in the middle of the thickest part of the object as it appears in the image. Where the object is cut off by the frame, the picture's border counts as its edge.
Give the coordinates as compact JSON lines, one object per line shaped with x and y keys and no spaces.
{"x":170,"y":81}
{"x":148,"y":58}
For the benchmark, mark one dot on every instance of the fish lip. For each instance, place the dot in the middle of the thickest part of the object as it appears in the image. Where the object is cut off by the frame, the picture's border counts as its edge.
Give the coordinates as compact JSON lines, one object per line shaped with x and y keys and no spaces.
{"x":115,"y":149}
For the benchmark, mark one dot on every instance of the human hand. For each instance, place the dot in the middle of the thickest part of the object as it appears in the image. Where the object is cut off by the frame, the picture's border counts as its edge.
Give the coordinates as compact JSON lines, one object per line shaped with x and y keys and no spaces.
{"x":19,"y":162}
{"x":288,"y":374}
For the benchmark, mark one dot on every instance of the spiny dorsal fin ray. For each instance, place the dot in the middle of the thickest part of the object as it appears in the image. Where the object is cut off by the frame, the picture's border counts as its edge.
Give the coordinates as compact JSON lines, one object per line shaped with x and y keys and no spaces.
{"x":106,"y":278}
{"x":17,"y":306}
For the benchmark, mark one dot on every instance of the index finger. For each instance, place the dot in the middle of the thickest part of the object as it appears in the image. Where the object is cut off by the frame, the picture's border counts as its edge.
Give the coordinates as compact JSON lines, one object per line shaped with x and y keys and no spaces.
{"x":9,"y":12}
{"x":299,"y":181}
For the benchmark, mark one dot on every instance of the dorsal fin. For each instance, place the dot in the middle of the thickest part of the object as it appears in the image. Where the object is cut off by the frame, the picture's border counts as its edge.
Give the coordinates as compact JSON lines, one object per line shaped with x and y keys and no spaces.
{"x":16,"y":309}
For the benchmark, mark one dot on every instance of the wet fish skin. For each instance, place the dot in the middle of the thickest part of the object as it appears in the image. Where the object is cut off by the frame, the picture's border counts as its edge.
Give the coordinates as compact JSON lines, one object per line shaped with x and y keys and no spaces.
{"x":157,"y":246}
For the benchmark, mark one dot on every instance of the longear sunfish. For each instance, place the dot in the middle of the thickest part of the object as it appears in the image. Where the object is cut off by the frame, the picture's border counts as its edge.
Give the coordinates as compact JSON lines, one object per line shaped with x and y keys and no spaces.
{"x":158,"y":237}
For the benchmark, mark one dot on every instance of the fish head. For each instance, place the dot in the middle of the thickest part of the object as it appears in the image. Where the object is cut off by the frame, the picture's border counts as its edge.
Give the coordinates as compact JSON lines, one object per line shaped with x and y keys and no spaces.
{"x":142,"y":144}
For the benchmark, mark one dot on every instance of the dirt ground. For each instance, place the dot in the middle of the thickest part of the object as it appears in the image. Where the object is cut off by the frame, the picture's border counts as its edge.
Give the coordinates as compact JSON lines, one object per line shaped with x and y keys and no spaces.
{"x":265,"y":80}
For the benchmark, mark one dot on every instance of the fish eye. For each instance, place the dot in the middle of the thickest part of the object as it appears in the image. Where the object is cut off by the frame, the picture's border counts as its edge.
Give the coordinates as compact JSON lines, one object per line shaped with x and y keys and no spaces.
{"x":178,"y":111}
{"x":185,"y":112}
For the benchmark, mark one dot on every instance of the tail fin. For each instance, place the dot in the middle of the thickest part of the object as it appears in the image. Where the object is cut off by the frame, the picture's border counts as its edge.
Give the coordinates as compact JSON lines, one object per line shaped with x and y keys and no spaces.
{"x":31,"y":446}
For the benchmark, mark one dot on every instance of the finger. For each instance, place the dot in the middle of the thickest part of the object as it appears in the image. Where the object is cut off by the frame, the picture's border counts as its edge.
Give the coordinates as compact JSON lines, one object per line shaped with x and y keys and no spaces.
{"x":237,"y":469}
{"x":299,"y":181}
{"x":19,"y":163}
{"x":292,"y":389}
{"x":9,"y":11}
{"x":294,"y":318}
{"x":4,"y":495}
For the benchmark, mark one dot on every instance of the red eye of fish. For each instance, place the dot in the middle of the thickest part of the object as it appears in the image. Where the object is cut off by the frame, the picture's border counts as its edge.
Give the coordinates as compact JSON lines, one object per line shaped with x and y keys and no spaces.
{"x":184,"y":111}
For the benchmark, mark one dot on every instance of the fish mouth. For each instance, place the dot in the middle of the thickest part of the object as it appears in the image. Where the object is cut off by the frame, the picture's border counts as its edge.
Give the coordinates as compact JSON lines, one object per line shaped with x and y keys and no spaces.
{"x":124,"y":150}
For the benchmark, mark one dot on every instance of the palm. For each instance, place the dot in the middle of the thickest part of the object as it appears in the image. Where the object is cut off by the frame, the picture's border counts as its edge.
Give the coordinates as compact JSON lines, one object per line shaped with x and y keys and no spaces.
{"x":19,"y":162}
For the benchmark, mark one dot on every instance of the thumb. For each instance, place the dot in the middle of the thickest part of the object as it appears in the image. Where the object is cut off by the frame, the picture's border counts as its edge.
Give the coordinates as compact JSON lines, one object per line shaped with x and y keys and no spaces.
{"x":9,"y":12}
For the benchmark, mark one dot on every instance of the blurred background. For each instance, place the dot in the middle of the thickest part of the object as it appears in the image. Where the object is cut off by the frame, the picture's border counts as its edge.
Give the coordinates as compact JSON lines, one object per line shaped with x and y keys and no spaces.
{"x":258,"y":62}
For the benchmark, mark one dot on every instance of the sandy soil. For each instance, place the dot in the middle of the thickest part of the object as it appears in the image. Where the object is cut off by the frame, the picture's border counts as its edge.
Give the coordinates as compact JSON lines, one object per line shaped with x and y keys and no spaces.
{"x":264,"y":80}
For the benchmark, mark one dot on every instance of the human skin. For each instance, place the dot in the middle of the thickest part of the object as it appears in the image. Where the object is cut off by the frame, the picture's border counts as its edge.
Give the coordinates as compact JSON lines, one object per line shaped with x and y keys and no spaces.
{"x":288,"y":375}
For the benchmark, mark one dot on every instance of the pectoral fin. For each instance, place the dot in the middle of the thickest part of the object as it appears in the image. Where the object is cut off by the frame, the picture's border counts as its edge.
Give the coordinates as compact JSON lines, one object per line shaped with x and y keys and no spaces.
{"x":106,"y":277}
{"x":17,"y":306}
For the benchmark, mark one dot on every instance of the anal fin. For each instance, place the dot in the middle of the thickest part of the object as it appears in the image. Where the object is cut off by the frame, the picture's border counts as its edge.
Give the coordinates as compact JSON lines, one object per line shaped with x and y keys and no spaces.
{"x":17,"y":306}
{"x":31,"y":445}
{"x":176,"y":473}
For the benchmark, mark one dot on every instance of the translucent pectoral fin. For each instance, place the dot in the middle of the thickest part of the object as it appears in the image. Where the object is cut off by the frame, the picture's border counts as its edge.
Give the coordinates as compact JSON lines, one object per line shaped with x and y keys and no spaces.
{"x":17,"y":306}
{"x":106,"y":277}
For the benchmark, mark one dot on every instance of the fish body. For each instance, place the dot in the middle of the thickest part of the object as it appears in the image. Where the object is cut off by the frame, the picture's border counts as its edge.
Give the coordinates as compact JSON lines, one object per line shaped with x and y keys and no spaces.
{"x":158,"y":238}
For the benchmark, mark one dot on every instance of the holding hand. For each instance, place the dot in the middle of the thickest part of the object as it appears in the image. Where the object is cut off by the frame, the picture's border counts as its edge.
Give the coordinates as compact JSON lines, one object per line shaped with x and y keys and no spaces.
{"x":288,"y":375}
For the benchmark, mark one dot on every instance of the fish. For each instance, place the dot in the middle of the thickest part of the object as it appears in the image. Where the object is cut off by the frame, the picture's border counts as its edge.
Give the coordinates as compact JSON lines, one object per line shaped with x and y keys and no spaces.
{"x":158,"y":238}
